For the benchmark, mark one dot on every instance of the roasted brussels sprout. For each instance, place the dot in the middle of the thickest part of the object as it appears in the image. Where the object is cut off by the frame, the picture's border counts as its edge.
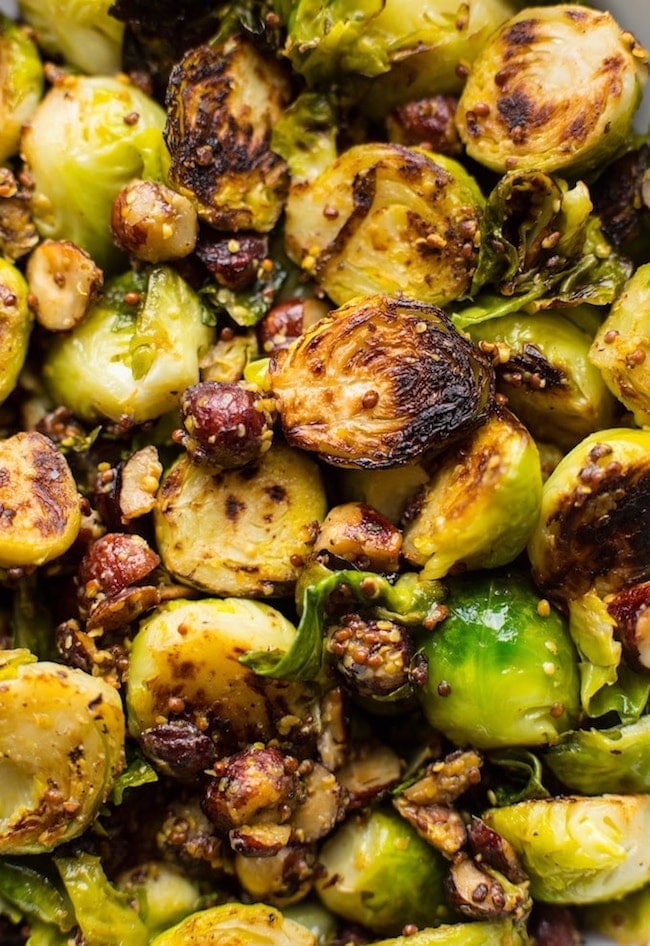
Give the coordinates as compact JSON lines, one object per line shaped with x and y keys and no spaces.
{"x":83,"y":33}
{"x":184,"y":664}
{"x":88,"y":137}
{"x":357,"y":860}
{"x":242,"y":531}
{"x":621,"y":348}
{"x":592,"y":532}
{"x":501,"y":668}
{"x":517,"y":109}
{"x":387,"y":490}
{"x":16,"y":320}
{"x":386,"y":218}
{"x":234,"y":924}
{"x":408,"y":50}
{"x":480,"y":933}
{"x":40,"y":502}
{"x":21,"y":83}
{"x":62,"y":746}
{"x":379,"y":383}
{"x":480,"y":504}
{"x":135,"y":352}
{"x":544,"y":370}
{"x":164,"y":894}
{"x":222,"y":103}
{"x":579,"y":850}
{"x":625,"y":921}
{"x":592,"y":761}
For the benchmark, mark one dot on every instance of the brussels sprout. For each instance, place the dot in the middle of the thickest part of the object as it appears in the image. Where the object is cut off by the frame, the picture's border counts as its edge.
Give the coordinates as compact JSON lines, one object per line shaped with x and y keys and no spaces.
{"x":222,"y":102}
{"x":625,"y":921}
{"x":592,"y":531}
{"x":592,"y":761}
{"x":305,"y":136}
{"x":378,"y":871}
{"x":165,"y":895}
{"x":16,"y":320}
{"x":379,"y":383}
{"x":242,"y":531}
{"x":81,"y":31}
{"x":137,"y":349}
{"x":21,"y":84}
{"x":388,"y":490}
{"x":38,"y":495}
{"x":88,"y":137}
{"x":61,"y":747}
{"x":185,"y":659}
{"x":517,"y":108}
{"x":386,"y":218}
{"x":544,"y":370}
{"x":410,"y":50}
{"x":481,"y":502}
{"x":104,"y":915}
{"x":237,"y":924}
{"x":621,"y":348}
{"x":482,"y":933}
{"x":578,"y":850}
{"x":502,"y":670}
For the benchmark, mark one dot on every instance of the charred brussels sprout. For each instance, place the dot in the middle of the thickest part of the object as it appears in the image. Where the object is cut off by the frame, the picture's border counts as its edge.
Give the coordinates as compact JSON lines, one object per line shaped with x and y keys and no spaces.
{"x":621,"y":348}
{"x":16,"y":320}
{"x":21,"y":84}
{"x":379,"y":383}
{"x":386,"y":218}
{"x":408,"y":50}
{"x":543,"y":368}
{"x":233,"y":924}
{"x":502,"y":670}
{"x":83,"y":32}
{"x":240,"y":532}
{"x":517,"y":108}
{"x":61,"y":748}
{"x":222,"y":104}
{"x":592,"y":530}
{"x":137,"y":349}
{"x":41,"y":507}
{"x":481,"y":503}
{"x":579,"y":850}
{"x":377,"y":871}
{"x":88,"y":137}
{"x":185,"y":665}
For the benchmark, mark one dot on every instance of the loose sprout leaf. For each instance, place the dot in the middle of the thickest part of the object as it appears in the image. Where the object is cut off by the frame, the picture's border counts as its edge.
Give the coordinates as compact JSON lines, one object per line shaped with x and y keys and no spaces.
{"x":305,"y":136}
{"x":34,"y":895}
{"x":137,"y":772}
{"x":520,"y":776}
{"x":408,"y":601}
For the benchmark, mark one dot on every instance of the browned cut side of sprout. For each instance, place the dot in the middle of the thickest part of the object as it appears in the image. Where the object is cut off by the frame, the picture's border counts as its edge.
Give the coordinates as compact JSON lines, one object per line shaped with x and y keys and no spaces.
{"x":222,"y":103}
{"x":381,"y":382}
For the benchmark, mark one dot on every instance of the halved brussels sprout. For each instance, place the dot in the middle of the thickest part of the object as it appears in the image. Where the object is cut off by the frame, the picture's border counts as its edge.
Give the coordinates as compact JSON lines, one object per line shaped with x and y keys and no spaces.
{"x":16,"y":320}
{"x":40,"y":502}
{"x":237,"y":924}
{"x":222,"y":103}
{"x":592,"y":761}
{"x":578,"y":850}
{"x":184,"y":663}
{"x":87,"y":138}
{"x":21,"y":83}
{"x":481,"y":502}
{"x":621,"y":348}
{"x":625,"y":921}
{"x":164,"y":894}
{"x":592,"y":530}
{"x":543,"y":368}
{"x":378,"y":871}
{"x":387,"y":218}
{"x":502,"y":670}
{"x":82,"y":31}
{"x":517,"y":109}
{"x":379,"y":383}
{"x":61,"y":748}
{"x":244,"y":531}
{"x":481,"y":933}
{"x":134,"y":353}
{"x":388,"y":490}
{"x":410,"y":50}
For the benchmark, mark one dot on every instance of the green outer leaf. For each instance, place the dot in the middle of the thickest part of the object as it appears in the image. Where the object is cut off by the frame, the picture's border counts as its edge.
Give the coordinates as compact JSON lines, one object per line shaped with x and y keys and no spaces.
{"x":408,"y":601}
{"x":593,"y":761}
{"x":138,"y":772}
{"x":34,"y":895}
{"x":520,"y":776}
